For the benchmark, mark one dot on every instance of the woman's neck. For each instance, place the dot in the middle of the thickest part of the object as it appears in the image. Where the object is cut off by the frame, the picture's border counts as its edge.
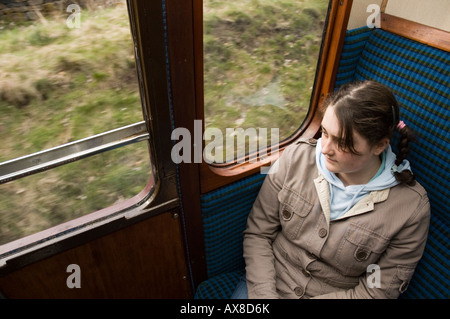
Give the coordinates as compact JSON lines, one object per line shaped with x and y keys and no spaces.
{"x":361,"y":177}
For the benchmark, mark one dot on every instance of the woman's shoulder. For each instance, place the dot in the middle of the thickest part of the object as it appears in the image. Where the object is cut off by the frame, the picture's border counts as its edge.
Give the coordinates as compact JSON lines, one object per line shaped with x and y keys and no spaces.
{"x":302,"y":145}
{"x":415,"y":189}
{"x":300,"y":149}
{"x":413,"y":198}
{"x":305,"y":140}
{"x":299,"y":156}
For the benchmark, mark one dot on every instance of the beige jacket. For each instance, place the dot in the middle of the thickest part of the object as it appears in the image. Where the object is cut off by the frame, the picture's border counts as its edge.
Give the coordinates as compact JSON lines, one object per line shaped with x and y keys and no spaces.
{"x":292,"y":250}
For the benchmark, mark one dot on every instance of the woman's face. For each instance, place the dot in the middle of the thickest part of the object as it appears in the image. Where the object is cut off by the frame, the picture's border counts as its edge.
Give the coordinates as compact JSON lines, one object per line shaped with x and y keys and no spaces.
{"x":350,"y":168}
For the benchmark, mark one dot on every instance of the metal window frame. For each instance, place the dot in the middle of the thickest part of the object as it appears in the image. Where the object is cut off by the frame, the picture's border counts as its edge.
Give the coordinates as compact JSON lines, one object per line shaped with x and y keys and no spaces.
{"x":73,"y":151}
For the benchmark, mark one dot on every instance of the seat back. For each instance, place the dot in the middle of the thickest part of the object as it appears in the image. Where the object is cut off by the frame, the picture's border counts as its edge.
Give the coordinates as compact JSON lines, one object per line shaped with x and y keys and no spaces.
{"x":224,"y":213}
{"x":419,"y":76}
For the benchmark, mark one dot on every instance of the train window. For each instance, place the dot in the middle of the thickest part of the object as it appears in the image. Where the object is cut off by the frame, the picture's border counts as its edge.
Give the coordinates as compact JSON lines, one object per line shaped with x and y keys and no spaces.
{"x":61,"y":82}
{"x":68,"y":91}
{"x":260,"y":59}
{"x":38,"y":202}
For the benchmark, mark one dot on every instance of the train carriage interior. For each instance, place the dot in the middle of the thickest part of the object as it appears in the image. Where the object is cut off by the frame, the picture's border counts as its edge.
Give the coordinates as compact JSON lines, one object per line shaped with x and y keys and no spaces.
{"x":180,"y":234}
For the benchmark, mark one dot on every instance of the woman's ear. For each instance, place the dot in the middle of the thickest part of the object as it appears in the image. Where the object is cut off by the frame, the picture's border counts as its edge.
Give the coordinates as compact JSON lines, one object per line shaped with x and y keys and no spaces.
{"x":380,"y":146}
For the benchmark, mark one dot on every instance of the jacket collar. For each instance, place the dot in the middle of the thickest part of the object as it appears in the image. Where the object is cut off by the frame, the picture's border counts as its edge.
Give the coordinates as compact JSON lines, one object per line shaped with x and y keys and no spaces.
{"x":366,"y":204}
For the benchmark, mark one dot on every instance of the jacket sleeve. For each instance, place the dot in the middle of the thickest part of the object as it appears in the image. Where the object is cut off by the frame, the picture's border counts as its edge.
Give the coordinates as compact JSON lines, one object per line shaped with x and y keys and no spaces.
{"x":263,"y":225}
{"x":396,"y":265}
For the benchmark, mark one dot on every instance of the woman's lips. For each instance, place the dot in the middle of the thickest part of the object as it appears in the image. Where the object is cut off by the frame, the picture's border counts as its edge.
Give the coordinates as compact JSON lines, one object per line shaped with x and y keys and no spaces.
{"x":330,"y":160}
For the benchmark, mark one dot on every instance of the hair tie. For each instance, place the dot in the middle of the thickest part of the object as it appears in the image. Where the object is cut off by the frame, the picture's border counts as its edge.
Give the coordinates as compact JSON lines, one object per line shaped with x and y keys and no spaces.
{"x":393,"y":114}
{"x":401,"y":125}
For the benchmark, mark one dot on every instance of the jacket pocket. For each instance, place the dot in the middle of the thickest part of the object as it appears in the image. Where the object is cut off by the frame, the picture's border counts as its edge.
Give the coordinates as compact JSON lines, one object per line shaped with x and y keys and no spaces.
{"x":400,"y":281}
{"x":293,"y":210}
{"x":359,"y":248}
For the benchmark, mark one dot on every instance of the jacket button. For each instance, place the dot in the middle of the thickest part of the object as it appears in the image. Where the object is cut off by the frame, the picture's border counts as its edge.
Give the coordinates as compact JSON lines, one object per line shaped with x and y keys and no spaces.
{"x":403,"y":286}
{"x":299,"y":291}
{"x":361,"y":255}
{"x":322,"y":232}
{"x":286,"y":214}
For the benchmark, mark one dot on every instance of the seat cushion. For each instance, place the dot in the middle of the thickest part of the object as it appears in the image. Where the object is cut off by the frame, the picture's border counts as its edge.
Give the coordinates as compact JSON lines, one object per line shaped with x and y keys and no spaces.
{"x":219,"y":287}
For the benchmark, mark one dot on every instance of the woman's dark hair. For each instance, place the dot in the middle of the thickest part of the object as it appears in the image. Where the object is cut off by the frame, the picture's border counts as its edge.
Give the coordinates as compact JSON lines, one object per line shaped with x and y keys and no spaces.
{"x":371,"y":109}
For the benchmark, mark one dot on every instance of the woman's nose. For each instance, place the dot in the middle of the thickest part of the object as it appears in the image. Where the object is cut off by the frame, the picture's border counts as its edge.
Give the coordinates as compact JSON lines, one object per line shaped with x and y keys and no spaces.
{"x":326,"y":147}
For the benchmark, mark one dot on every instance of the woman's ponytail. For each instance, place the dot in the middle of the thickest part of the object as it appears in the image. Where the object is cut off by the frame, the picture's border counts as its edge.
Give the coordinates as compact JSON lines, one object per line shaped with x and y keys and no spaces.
{"x":406,"y":137}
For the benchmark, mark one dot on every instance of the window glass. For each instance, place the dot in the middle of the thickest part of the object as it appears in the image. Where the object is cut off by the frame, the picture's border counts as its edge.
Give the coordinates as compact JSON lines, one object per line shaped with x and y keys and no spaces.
{"x":260,"y":59}
{"x":37,"y":202}
{"x":66,"y":73}
{"x":60,"y":82}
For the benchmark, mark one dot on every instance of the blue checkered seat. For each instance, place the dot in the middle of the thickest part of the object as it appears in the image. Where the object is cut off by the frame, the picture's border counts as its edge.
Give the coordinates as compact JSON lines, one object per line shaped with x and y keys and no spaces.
{"x":224,"y":213}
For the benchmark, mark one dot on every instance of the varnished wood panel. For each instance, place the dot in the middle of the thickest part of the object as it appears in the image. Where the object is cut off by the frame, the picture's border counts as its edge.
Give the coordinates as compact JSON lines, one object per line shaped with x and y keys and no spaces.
{"x":428,"y":35}
{"x":145,"y":260}
{"x":181,"y":57}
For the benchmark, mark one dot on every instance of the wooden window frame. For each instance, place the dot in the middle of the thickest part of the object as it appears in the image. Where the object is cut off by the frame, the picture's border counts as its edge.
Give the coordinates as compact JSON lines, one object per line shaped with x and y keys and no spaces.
{"x":160,"y":195}
{"x":214,"y":176}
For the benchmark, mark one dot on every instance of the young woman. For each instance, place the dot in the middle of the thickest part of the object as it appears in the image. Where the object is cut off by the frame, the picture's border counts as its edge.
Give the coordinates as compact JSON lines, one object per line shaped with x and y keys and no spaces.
{"x":340,"y":217}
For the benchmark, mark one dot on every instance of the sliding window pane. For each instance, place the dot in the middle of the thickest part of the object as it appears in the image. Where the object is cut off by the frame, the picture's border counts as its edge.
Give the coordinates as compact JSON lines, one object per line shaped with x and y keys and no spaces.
{"x":61,"y":81}
{"x":37,"y":202}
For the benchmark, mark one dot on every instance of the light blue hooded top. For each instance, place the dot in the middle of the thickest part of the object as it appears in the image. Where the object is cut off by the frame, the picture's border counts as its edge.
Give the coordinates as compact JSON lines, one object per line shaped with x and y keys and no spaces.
{"x":342,"y":198}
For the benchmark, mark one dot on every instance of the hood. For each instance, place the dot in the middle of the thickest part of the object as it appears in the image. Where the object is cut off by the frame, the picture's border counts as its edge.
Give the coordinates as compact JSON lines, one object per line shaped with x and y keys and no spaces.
{"x":342,"y":198}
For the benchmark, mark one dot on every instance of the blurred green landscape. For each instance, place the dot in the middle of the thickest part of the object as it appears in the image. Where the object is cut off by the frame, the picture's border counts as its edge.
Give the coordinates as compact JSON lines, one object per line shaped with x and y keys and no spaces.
{"x":59,"y":85}
{"x":260,"y":59}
